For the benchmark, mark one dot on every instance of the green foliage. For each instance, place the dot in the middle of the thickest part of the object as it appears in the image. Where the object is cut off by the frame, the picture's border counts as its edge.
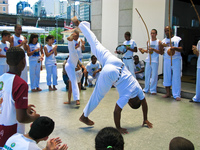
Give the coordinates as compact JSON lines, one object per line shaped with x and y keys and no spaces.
{"x":54,"y":32}
{"x":42,"y":38}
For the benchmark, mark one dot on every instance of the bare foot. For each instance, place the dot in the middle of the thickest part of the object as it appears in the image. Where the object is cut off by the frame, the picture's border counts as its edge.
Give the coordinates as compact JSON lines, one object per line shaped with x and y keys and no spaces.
{"x":50,"y":89}
{"x":39,"y":89}
{"x":86,"y":120}
{"x":34,"y":90}
{"x":178,"y":99}
{"x":153,"y":93}
{"x":166,"y":96}
{"x":75,"y":20}
{"x":77,"y":102}
{"x":67,"y":103}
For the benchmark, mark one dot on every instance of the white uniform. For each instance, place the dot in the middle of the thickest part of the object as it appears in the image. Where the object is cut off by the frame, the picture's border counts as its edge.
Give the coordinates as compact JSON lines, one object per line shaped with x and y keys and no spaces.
{"x":172,"y":74}
{"x":51,"y":66}
{"x":91,"y":68}
{"x":113,"y":73}
{"x":151,"y":71}
{"x":196,"y":98}
{"x":128,"y":56}
{"x":79,"y":50}
{"x":20,"y":142}
{"x":138,"y":67}
{"x":3,"y":65}
{"x":17,"y":41}
{"x":79,"y":74}
{"x":34,"y":66}
{"x":70,"y":69}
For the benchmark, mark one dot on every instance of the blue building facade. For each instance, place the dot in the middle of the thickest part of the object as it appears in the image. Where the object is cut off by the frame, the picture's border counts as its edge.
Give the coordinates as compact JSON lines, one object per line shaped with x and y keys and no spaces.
{"x":21,"y":5}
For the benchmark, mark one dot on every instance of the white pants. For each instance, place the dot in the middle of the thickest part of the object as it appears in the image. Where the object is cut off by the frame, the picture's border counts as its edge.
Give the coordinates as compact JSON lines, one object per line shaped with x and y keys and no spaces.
{"x":151,"y":77}
{"x":3,"y":69}
{"x":79,"y":75}
{"x":196,"y":98}
{"x":129,"y":63}
{"x":51,"y":70}
{"x":172,"y":76}
{"x":91,"y":78}
{"x":109,"y":73}
{"x":70,"y":69}
{"x":139,"y":75}
{"x":34,"y":71}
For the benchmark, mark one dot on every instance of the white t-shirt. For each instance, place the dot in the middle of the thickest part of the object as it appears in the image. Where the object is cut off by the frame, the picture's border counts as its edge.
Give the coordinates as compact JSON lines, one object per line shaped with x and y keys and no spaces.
{"x":154,"y":55}
{"x":4,"y":47}
{"x":131,"y":43}
{"x":93,"y":67}
{"x":139,"y":66}
{"x":51,"y":59}
{"x":35,"y":55}
{"x":79,"y":50}
{"x":175,"y":43}
{"x":20,"y":142}
{"x":18,"y":40}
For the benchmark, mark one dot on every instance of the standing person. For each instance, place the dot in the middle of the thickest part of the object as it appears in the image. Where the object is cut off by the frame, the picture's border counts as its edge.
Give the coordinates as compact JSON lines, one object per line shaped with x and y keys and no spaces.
{"x":19,"y":40}
{"x":78,"y":73}
{"x":40,"y":130}
{"x":79,"y":46}
{"x":50,"y":51}
{"x":70,"y":69}
{"x":14,"y":108}
{"x":128,"y":56}
{"x":36,"y":55}
{"x":65,"y":76}
{"x":4,"y":45}
{"x":151,"y":68}
{"x":139,"y":68}
{"x":172,"y":74}
{"x":113,"y":73}
{"x":196,"y":50}
{"x":93,"y":69}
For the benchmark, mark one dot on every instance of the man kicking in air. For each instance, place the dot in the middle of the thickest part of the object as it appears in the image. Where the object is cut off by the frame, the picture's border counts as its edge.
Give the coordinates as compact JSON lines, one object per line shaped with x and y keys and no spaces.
{"x":113,"y":73}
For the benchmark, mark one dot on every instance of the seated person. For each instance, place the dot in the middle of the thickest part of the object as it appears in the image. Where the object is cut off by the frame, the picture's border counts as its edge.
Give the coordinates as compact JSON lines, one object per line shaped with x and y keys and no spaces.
{"x":180,"y":143}
{"x":65,"y":76}
{"x":93,"y":69}
{"x":41,"y":128}
{"x":139,"y":68}
{"x":109,"y":138}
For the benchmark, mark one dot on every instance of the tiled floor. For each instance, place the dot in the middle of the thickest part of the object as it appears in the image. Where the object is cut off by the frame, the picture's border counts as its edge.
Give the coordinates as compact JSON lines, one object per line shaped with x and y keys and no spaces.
{"x":169,"y":117}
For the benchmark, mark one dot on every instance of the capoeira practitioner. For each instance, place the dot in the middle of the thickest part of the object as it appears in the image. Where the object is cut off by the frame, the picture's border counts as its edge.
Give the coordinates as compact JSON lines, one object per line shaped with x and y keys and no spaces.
{"x":19,"y":40}
{"x":70,"y":69}
{"x":196,"y":50}
{"x":128,"y":56}
{"x":4,"y":45}
{"x":151,"y":70}
{"x":172,"y":74}
{"x":113,"y":73}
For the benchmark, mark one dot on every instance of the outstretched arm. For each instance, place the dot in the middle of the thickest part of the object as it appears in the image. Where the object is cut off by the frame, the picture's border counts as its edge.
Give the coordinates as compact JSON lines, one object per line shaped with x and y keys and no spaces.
{"x":117,"y":118}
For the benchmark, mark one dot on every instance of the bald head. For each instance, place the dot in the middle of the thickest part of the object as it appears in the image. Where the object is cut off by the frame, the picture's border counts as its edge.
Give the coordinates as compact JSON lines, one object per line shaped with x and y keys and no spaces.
{"x":167,"y":29}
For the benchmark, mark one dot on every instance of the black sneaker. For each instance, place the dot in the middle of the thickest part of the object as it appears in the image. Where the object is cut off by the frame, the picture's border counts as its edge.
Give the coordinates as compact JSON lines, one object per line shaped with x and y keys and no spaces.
{"x":83,"y":88}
